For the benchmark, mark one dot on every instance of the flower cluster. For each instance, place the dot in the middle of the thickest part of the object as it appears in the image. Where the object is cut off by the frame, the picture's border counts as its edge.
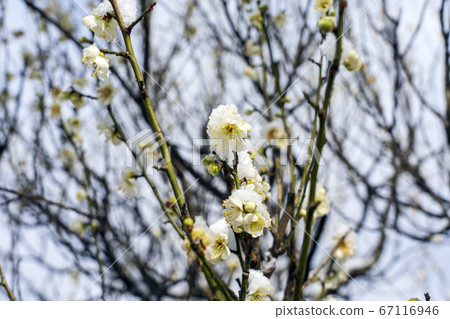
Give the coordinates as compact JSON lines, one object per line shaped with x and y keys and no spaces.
{"x":213,"y":240}
{"x":93,"y":56}
{"x":245,"y":209}
{"x":227,"y":131}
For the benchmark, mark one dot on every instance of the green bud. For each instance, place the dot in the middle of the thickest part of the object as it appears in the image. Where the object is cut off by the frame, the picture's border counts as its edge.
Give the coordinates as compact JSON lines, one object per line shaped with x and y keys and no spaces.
{"x":188,"y":222}
{"x":263,"y":8}
{"x":325,"y":25}
{"x":94,"y":225}
{"x":214,"y":169}
{"x":208,"y":160}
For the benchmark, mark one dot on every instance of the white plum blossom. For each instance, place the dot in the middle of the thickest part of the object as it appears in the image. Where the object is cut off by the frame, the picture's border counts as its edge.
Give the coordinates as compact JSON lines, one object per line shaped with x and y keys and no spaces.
{"x":92,"y":55}
{"x":348,"y":246}
{"x":201,"y":236}
{"x":127,"y":8}
{"x":102,"y":22}
{"x":251,"y":73}
{"x":252,"y":48}
{"x":68,"y":156}
{"x":245,"y":211}
{"x":110,"y":133}
{"x":323,"y":5}
{"x":102,"y":70}
{"x":259,"y":286}
{"x":349,"y":57}
{"x":103,"y":27}
{"x":221,"y":232}
{"x":245,"y":168}
{"x":128,"y":185}
{"x":352,"y":61}
{"x":249,"y":174}
{"x":106,"y":92}
{"x":324,"y":206}
{"x":227,"y":131}
{"x":82,"y":194}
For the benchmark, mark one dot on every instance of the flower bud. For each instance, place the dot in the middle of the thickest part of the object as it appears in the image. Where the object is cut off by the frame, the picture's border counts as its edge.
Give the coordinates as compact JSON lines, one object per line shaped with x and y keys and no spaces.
{"x":214,"y":169}
{"x":352,"y":62}
{"x":250,"y":207}
{"x":188,"y":222}
{"x":326,"y":24}
{"x":208,"y":160}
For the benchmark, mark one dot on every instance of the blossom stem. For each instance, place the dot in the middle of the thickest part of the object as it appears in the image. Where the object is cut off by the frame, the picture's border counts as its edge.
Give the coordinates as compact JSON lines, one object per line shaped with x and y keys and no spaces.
{"x":319,"y":146}
{"x":327,"y":259}
{"x":142,"y":16}
{"x":152,"y":185}
{"x":5,"y":285}
{"x":215,"y":283}
{"x":246,"y":269}
{"x":122,"y":54}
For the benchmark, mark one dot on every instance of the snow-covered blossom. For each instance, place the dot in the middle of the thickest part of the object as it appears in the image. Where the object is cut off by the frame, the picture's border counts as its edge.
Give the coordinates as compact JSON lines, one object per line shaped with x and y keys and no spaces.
{"x":127,"y":8}
{"x":245,"y":211}
{"x":259,"y":286}
{"x":81,"y":194}
{"x":101,"y":71}
{"x":103,"y":27}
{"x":92,"y":55}
{"x":227,"y":131}
{"x":348,"y":246}
{"x":110,"y":133}
{"x":323,"y":5}
{"x":68,"y":156}
{"x":101,"y":20}
{"x":128,"y":184}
